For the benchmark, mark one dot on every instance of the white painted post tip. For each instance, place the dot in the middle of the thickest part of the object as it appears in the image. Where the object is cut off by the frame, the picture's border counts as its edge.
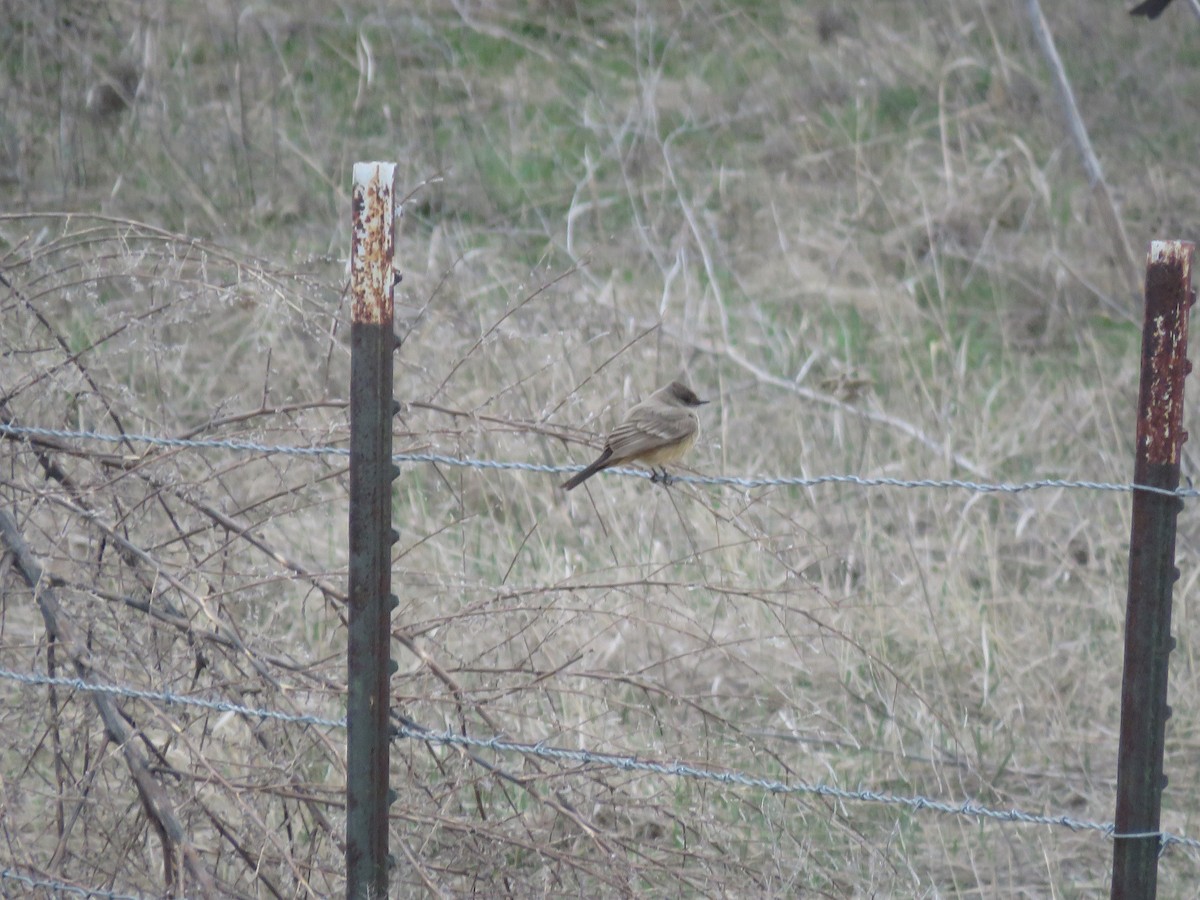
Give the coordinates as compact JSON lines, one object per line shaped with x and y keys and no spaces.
{"x":1167,"y":251}
{"x":1158,"y":251}
{"x":364,"y":172}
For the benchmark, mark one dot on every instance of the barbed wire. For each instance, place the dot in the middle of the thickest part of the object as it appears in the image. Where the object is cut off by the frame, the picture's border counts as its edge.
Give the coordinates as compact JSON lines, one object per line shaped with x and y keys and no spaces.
{"x":412,"y":731}
{"x":967,"y":808}
{"x":168,"y":698}
{"x":800,"y":481}
{"x":62,"y":887}
{"x":155,"y":441}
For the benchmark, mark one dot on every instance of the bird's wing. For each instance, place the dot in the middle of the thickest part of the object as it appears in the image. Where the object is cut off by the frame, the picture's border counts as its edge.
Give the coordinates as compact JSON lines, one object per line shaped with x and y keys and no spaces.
{"x":647,"y":430}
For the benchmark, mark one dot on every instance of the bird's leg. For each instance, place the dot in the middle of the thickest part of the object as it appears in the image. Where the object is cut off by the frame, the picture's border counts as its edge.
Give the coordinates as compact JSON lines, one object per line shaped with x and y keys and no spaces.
{"x":661,"y":476}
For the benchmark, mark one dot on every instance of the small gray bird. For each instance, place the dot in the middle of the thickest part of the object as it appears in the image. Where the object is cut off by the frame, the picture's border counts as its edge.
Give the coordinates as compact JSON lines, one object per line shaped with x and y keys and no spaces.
{"x":659,"y":430}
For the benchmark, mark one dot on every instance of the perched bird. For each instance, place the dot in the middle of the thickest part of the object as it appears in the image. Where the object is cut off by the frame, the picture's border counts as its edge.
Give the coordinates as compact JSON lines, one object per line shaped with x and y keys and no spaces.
{"x":1151,"y":9}
{"x":659,"y":430}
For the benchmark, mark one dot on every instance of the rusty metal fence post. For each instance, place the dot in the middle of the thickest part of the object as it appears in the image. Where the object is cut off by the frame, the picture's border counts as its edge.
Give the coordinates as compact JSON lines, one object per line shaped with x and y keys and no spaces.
{"x":372,"y":342}
{"x":1152,"y":572}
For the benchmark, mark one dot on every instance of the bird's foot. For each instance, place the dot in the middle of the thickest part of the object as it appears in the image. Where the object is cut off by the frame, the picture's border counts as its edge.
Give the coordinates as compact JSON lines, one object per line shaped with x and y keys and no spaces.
{"x":661,"y":476}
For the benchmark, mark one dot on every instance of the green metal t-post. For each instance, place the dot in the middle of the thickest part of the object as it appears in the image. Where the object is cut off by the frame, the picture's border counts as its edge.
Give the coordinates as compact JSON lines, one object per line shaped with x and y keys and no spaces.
{"x":372,"y":342}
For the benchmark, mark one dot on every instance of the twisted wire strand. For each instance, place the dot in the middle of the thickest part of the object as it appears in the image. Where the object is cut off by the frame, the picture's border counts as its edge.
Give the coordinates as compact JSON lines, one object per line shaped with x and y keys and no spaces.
{"x":966,"y":808}
{"x":626,"y":763}
{"x":60,"y":887}
{"x":509,"y":465}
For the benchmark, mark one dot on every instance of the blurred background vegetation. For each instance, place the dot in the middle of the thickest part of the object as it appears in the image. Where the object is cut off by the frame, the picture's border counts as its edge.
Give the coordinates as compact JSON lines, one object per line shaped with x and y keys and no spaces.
{"x":861,"y":229}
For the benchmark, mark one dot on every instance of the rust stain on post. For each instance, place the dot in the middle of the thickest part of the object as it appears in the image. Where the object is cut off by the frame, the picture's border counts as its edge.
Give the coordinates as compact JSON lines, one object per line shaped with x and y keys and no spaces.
{"x":1152,"y":572}
{"x":372,"y":244}
{"x":1168,"y":291}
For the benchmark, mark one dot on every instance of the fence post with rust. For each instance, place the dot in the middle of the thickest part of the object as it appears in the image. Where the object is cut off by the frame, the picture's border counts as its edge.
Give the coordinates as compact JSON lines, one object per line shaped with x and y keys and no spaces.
{"x":1152,"y":572}
{"x":372,"y":342}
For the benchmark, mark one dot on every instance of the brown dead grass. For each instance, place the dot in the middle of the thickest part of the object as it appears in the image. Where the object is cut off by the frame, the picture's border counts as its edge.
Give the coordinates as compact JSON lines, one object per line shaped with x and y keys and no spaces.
{"x":828,"y":221}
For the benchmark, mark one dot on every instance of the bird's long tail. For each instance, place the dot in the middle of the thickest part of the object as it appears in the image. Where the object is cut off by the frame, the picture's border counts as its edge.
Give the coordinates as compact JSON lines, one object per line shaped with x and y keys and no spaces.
{"x":601,"y":463}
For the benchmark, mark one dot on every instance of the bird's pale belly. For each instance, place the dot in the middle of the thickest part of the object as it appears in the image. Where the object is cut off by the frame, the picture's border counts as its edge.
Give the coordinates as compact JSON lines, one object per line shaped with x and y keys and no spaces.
{"x":668,"y":454}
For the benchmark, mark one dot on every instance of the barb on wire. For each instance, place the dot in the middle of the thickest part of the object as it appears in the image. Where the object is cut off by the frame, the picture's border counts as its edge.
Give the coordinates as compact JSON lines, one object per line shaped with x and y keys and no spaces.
{"x":542,"y":750}
{"x":503,"y":465}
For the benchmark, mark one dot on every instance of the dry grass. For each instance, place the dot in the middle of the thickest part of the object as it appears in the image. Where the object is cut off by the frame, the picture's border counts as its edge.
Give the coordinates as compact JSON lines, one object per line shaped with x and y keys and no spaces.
{"x":832,"y":223}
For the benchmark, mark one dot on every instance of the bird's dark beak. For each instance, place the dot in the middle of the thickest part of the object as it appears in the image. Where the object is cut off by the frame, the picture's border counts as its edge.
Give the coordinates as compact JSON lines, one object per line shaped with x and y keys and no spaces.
{"x":702,"y":402}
